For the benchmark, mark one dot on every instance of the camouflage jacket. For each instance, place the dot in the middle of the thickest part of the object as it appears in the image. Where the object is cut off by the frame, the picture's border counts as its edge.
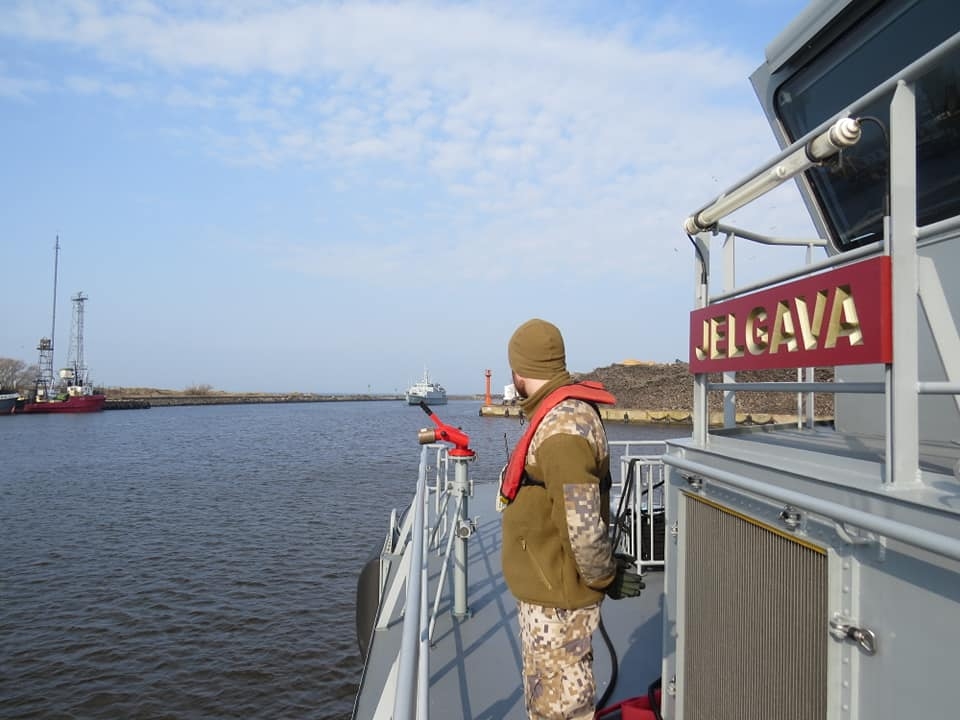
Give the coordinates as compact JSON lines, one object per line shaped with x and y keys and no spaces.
{"x":556,"y":547}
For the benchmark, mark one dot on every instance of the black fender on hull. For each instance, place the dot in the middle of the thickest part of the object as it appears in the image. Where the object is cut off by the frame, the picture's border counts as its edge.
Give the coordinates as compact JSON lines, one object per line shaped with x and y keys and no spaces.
{"x":368,"y":603}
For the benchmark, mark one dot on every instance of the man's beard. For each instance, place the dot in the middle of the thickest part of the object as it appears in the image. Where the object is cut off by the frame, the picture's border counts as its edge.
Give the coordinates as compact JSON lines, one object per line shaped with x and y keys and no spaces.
{"x":520,"y":386}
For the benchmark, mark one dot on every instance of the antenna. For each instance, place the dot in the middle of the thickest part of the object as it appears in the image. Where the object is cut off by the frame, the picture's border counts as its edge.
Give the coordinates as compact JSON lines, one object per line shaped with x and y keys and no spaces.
{"x":75,"y":359}
{"x":43,"y":385}
{"x":53,"y":322}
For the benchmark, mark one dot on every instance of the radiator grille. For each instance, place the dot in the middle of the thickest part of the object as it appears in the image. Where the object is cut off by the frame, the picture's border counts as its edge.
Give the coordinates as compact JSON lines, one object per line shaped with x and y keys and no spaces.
{"x":755,"y":621}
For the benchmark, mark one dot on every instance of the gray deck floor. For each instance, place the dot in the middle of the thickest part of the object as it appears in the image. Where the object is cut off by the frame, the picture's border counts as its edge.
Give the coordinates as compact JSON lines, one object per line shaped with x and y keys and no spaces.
{"x":475,"y":663}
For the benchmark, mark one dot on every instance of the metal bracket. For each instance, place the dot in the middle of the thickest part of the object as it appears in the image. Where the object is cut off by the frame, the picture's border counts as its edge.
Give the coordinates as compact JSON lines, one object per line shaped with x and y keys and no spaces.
{"x":853,"y":535}
{"x":843,"y":629}
{"x":791,"y":517}
{"x":466,"y":528}
{"x":694,"y":481}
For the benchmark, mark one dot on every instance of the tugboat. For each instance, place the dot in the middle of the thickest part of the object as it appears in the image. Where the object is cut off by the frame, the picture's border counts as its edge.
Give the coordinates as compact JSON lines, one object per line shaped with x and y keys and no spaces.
{"x":810,"y":571}
{"x":76,"y":394}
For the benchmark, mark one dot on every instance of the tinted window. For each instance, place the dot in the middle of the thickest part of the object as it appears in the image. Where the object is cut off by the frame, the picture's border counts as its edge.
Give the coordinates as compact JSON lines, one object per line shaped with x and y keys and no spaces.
{"x":852,"y":192}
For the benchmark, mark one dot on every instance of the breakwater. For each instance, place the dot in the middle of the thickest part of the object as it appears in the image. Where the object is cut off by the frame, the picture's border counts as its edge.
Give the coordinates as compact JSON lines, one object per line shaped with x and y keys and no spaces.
{"x":129,"y":402}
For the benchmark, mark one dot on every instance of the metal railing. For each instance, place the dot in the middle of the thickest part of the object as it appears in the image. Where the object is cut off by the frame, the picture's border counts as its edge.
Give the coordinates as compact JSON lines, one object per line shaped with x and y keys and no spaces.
{"x":428,"y":526}
{"x":411,"y":680}
{"x":641,"y":532}
{"x":901,"y":386}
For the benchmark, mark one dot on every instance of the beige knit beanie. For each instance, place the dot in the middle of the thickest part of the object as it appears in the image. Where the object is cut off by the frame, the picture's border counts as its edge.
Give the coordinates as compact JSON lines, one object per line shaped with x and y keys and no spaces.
{"x":536,"y":350}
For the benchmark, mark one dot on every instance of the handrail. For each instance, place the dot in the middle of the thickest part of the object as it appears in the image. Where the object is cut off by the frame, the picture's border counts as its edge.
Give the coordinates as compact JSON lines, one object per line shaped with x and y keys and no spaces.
{"x":838,"y":388}
{"x":412,"y":641}
{"x":925,"y":539}
{"x":647,"y":483}
{"x":761,"y":239}
{"x":443,"y":572}
{"x":842,"y":133}
{"x":829,"y":262}
{"x":411,"y":690}
{"x":908,"y":74}
{"x":901,"y":387}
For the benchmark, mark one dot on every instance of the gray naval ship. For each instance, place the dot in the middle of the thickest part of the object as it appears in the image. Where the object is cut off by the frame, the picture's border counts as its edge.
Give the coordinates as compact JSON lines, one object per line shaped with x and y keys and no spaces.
{"x":792,"y":571}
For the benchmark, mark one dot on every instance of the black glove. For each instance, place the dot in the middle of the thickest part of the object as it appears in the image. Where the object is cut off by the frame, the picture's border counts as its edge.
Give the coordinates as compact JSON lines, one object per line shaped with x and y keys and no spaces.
{"x":627,"y":582}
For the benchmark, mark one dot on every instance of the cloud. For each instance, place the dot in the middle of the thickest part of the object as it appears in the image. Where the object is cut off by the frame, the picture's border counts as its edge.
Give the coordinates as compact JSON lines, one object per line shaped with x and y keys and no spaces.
{"x":85,"y":85}
{"x":504,"y":128}
{"x":21,"y":88}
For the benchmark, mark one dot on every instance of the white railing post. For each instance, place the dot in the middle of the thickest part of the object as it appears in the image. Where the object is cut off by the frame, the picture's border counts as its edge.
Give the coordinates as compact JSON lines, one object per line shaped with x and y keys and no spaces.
{"x":405,"y":702}
{"x":903,"y":434}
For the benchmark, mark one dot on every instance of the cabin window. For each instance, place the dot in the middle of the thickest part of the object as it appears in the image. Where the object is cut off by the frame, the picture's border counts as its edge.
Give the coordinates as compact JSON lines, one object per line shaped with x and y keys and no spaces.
{"x":852,"y":192}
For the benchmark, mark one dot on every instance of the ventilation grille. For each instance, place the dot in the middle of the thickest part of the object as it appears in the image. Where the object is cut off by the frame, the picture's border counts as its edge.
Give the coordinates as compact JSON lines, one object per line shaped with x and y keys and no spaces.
{"x":755,"y":622}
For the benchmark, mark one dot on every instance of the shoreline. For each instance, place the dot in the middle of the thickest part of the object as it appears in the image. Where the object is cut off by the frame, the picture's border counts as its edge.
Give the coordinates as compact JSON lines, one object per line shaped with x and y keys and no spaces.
{"x":641,"y":416}
{"x":137,"y":401}
{"x":664,"y":417}
{"x":127,"y":402}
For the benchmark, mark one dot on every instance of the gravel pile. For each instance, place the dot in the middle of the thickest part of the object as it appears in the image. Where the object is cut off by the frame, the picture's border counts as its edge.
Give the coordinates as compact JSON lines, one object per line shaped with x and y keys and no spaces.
{"x":670,"y":387}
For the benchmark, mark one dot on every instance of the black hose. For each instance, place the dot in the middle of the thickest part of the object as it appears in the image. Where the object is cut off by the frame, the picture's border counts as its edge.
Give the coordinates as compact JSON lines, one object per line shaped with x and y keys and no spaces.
{"x":886,"y":141}
{"x":703,"y":261}
{"x":617,"y":527}
{"x":614,"y":666}
{"x":652,"y":700}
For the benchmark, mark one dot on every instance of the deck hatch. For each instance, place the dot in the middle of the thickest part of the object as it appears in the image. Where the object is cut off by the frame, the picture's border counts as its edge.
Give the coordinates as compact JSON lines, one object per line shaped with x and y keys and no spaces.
{"x":754,"y":639}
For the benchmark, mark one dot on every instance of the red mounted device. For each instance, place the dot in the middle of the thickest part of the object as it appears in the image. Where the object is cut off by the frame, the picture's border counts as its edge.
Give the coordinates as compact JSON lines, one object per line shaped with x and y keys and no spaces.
{"x":445,"y":433}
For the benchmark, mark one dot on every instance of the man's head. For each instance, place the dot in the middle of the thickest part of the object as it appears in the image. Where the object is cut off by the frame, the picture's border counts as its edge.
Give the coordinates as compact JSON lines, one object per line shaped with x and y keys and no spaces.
{"x":536,"y":352}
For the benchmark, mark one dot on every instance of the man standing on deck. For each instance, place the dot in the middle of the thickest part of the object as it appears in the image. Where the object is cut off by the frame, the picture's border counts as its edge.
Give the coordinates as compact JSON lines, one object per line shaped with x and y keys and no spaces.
{"x":557,"y":557}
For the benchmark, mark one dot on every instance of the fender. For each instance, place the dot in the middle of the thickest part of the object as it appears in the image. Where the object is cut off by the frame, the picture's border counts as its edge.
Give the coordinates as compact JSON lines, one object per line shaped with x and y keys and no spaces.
{"x":512,"y":477}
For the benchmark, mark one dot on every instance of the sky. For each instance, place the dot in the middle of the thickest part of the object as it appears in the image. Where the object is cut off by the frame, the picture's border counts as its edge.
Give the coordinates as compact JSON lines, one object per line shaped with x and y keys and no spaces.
{"x":293,"y":196}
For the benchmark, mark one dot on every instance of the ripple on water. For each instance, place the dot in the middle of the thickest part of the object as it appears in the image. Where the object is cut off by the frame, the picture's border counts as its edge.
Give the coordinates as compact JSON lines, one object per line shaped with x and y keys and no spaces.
{"x":199,"y":562}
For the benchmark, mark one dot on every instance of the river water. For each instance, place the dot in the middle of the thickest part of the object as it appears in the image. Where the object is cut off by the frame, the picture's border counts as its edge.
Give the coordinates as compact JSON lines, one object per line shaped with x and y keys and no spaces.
{"x":201,"y":562}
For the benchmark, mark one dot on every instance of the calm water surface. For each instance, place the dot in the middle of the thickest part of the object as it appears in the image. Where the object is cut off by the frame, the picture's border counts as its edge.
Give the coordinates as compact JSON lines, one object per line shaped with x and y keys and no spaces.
{"x":201,"y":562}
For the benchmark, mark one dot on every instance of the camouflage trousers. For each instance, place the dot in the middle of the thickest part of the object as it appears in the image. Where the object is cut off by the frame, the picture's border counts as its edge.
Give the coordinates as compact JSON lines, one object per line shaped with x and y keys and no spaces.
{"x":557,"y":652}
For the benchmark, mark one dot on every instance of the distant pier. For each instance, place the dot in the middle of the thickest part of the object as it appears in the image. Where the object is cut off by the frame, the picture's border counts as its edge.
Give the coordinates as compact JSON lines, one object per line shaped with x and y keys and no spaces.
{"x":143,"y":402}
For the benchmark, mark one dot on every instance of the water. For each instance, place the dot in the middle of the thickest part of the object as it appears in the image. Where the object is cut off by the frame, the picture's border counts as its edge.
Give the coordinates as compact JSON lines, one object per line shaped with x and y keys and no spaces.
{"x":202,"y":561}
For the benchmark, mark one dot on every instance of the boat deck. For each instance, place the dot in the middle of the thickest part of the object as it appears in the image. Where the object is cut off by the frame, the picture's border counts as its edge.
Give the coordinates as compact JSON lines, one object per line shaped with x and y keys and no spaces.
{"x":813,"y":460}
{"x":475,"y":663}
{"x":938,"y":458}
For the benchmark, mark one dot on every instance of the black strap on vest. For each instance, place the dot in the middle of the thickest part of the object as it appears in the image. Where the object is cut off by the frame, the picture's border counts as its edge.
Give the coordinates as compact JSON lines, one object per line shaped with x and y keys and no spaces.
{"x":526,"y":480}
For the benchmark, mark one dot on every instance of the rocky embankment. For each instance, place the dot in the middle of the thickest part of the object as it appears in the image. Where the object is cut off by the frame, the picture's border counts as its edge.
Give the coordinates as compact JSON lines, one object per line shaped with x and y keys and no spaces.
{"x":670,"y":387}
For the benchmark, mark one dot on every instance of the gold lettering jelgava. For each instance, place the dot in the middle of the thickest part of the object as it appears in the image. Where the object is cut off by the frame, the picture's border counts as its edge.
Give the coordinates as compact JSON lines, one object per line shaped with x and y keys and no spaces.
{"x":795,"y":327}
{"x":757,"y":338}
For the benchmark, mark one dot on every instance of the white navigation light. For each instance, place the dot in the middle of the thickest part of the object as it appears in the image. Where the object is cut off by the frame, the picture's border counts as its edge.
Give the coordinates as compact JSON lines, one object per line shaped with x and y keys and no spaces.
{"x":842,"y":134}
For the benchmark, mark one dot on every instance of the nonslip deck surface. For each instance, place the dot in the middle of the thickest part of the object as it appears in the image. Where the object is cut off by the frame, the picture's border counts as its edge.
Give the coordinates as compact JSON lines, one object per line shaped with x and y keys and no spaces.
{"x":475,"y":662}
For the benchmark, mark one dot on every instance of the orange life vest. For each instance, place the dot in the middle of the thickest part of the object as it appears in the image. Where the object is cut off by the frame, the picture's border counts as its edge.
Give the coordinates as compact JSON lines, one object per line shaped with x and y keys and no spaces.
{"x":512,"y":477}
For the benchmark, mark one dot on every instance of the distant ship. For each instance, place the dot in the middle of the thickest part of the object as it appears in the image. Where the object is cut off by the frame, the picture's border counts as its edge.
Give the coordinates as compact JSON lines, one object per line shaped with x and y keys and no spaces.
{"x":73,"y":393}
{"x":426,"y":391}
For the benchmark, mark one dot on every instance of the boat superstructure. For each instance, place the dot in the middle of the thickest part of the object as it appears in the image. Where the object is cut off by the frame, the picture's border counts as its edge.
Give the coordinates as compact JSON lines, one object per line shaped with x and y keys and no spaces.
{"x":811,"y":570}
{"x":426,"y":390}
{"x":814,"y":571}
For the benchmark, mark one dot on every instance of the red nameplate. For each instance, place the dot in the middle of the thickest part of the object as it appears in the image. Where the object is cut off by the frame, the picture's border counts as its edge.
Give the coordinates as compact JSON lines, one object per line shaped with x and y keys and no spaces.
{"x":840,"y":317}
